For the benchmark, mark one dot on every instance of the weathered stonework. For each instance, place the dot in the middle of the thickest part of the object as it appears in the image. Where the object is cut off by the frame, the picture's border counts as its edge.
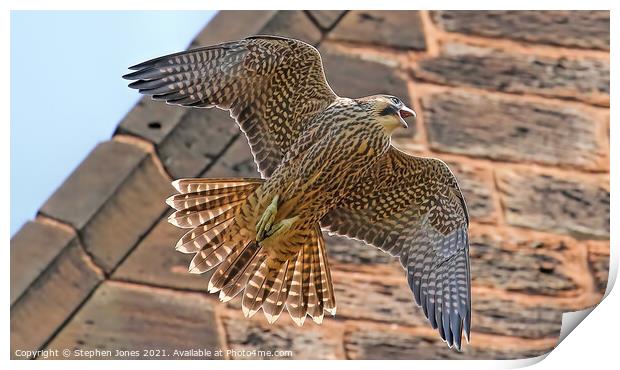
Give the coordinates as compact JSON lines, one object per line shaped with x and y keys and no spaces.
{"x":199,"y":139}
{"x":292,"y":23}
{"x":397,"y":29}
{"x":584,"y":79}
{"x":132,"y":318}
{"x":529,"y":264}
{"x":391,"y":343}
{"x":33,"y":249}
{"x":513,"y":130}
{"x":582,"y":29}
{"x":57,"y":292}
{"x":156,"y":262}
{"x":308,"y":342}
{"x":326,"y":19}
{"x":564,"y":205}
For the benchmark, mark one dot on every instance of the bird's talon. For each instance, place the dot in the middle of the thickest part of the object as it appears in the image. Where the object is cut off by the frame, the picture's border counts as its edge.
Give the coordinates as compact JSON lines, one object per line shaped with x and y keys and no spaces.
{"x":282,"y":226}
{"x":265,"y":223}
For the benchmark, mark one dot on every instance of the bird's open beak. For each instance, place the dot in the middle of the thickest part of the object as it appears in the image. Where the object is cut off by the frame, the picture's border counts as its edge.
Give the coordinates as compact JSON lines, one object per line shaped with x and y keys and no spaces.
{"x":405,"y":112}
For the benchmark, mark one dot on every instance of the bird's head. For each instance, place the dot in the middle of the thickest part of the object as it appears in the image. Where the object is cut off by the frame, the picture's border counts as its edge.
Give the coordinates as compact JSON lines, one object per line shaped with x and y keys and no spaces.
{"x":390,"y":111}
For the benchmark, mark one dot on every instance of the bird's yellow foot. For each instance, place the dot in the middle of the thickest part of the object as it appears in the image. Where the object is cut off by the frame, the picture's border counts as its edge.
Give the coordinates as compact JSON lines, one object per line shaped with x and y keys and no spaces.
{"x":282,"y":226}
{"x":265,"y":222}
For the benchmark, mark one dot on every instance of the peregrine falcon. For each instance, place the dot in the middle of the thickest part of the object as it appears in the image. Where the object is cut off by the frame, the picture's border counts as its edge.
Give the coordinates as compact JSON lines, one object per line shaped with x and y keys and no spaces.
{"x":326,"y":163}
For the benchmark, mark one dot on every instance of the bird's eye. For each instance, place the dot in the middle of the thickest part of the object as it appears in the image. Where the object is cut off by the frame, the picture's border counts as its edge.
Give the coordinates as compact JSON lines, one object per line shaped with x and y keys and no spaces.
{"x":395,"y":100}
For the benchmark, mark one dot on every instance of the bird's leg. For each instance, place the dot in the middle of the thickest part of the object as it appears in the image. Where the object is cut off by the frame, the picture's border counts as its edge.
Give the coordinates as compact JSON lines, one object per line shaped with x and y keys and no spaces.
{"x":265,"y":222}
{"x":282,"y":226}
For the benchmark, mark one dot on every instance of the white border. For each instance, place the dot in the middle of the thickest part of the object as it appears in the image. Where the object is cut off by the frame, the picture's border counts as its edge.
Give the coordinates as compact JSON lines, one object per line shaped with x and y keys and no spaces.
{"x":594,"y":341}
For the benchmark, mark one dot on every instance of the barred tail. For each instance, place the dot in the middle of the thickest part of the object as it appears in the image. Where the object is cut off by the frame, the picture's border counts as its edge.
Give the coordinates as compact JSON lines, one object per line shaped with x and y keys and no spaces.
{"x":209,"y":207}
{"x":302,"y":284}
{"x":219,"y":240}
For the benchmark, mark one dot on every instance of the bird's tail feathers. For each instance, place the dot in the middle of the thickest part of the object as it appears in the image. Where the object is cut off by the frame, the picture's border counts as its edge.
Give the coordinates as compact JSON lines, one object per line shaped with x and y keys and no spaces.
{"x":209,"y":208}
{"x":301,"y":283}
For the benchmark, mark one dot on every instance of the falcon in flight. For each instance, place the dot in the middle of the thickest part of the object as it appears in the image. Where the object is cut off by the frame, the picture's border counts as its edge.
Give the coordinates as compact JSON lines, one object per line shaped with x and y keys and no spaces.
{"x":326,"y":163}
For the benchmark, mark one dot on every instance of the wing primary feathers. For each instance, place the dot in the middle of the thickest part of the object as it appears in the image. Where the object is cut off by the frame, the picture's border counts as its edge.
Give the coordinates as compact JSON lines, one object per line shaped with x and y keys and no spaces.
{"x":157,"y":61}
{"x":240,"y":74}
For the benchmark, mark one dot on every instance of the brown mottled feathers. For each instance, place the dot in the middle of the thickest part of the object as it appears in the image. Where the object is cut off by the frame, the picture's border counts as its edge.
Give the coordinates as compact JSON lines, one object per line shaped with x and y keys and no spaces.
{"x":269,"y":84}
{"x":412,"y":208}
{"x":326,"y":161}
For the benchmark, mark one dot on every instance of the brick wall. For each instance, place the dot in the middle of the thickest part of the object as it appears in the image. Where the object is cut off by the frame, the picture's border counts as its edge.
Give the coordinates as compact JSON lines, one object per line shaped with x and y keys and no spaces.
{"x":517,"y":103}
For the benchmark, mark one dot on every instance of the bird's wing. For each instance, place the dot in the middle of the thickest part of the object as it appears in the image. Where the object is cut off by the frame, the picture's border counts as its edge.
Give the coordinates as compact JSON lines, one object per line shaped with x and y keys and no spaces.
{"x":412,"y":207}
{"x":271,"y":86}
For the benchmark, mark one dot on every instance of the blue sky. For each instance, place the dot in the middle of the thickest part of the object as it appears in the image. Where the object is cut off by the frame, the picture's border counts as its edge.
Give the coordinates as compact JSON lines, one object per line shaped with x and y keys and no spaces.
{"x":67,"y":93}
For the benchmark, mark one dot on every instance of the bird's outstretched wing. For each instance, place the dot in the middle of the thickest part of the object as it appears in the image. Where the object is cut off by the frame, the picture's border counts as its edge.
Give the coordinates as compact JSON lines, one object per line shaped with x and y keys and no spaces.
{"x":412,"y":207}
{"x":271,"y":86}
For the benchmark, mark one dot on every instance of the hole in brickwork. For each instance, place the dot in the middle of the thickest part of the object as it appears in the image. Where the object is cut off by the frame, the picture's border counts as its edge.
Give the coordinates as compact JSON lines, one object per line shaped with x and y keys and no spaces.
{"x":546,"y":270}
{"x":523,"y":130}
{"x":154,"y":125}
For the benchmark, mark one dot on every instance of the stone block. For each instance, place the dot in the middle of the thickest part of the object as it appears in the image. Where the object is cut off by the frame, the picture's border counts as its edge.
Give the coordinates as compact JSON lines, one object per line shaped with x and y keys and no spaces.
{"x":550,"y":203}
{"x":476,"y":183}
{"x":127,"y":215}
{"x":197,"y":141}
{"x":156,"y":262}
{"x":569,"y":28}
{"x":237,"y":161}
{"x":583,"y":78}
{"x":512,"y":130}
{"x":95,"y":180}
{"x":157,"y":323}
{"x":326,"y":18}
{"x":392,"y":344}
{"x":52,"y":299}
{"x":33,"y":249}
{"x":294,"y":24}
{"x":401,"y":29}
{"x":256,"y":339}
{"x":527,"y":263}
